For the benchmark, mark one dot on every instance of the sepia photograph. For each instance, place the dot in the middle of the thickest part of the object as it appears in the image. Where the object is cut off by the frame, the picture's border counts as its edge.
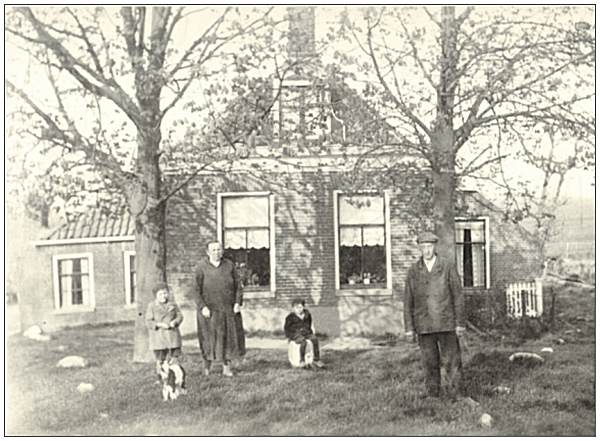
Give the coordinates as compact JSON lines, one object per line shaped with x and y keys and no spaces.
{"x":300,"y":220}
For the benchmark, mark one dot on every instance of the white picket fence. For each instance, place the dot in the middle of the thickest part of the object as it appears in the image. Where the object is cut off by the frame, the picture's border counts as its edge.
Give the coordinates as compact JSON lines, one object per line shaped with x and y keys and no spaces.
{"x":524,"y":299}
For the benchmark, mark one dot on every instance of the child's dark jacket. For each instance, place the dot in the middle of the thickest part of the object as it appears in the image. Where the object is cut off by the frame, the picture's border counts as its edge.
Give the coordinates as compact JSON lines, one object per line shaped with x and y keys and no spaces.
{"x":295,"y":326}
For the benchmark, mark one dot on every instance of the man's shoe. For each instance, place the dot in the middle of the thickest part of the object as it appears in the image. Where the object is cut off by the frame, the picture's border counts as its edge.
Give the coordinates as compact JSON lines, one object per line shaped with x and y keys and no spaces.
{"x":227,"y":371}
{"x":319,"y":363}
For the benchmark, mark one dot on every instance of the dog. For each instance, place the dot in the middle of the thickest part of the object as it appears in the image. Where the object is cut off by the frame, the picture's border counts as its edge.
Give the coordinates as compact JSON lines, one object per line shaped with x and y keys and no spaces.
{"x":172,"y":376}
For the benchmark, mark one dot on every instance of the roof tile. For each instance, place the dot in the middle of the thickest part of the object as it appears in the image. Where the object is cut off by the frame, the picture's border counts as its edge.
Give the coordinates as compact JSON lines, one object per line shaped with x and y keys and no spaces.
{"x":95,"y":223}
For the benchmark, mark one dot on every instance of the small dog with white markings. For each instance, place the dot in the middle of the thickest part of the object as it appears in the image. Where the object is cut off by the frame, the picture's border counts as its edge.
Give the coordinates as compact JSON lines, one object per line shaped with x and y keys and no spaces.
{"x":172,"y":376}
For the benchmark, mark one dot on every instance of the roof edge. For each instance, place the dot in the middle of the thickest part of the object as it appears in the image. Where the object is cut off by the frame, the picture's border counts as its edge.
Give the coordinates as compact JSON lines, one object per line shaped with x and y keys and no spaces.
{"x":80,"y":240}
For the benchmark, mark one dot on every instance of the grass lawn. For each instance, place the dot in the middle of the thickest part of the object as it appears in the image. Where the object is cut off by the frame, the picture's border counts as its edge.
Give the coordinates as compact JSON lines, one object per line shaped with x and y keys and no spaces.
{"x":366,"y":392}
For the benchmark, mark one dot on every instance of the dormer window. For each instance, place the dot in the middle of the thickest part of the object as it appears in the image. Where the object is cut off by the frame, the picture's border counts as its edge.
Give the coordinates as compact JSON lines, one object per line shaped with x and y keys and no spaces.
{"x":301,"y":114}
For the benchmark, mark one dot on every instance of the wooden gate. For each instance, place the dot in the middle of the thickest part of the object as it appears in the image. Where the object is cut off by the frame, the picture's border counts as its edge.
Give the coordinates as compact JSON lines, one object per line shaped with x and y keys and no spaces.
{"x":524,"y":299}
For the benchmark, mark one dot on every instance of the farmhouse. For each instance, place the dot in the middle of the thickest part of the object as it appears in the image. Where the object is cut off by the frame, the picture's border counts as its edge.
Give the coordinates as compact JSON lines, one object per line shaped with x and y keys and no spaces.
{"x":291,"y":225}
{"x":82,"y":273}
{"x":346,"y":254}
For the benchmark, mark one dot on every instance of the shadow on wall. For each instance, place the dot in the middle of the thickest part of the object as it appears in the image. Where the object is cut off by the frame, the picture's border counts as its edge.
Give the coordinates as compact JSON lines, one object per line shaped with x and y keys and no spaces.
{"x":191,"y":222}
{"x":305,"y":249}
{"x":360,"y":316}
{"x":304,"y":235}
{"x":307,"y":254}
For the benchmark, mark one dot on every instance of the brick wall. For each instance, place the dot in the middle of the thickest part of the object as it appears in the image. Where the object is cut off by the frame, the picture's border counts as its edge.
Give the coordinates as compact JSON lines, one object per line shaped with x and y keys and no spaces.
{"x":36,"y":302}
{"x":304,"y":247}
{"x":513,"y":255}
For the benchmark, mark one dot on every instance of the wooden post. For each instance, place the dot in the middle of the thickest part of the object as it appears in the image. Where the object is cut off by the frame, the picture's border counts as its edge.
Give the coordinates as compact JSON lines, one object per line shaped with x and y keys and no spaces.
{"x":539,"y":296}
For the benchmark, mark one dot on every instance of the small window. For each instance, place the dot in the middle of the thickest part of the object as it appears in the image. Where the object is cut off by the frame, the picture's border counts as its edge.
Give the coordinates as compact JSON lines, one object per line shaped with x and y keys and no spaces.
{"x":130,"y":277}
{"x":73,"y":281}
{"x":472,"y":252}
{"x":362,"y":241}
{"x":302,"y":113}
{"x":246,"y":235}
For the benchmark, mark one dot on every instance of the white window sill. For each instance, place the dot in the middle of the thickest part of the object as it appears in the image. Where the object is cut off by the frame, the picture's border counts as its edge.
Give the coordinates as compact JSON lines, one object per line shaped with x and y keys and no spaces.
{"x":356,"y":292}
{"x":73,"y":310}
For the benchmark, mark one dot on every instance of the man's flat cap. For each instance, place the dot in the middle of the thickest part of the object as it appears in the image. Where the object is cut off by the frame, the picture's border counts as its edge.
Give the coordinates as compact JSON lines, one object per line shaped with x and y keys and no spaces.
{"x":427,"y":237}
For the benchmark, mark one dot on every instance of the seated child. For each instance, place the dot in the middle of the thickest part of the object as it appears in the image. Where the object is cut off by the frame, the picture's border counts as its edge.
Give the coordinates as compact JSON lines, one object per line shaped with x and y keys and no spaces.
{"x":163,"y":318}
{"x":298,"y":328}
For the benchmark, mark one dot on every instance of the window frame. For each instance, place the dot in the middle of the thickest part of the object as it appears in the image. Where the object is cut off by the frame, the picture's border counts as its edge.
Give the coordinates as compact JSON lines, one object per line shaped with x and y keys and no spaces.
{"x":302,"y":86}
{"x":387,"y":290}
{"x":85,"y":307}
{"x":261,"y":292}
{"x":487,"y":246}
{"x":127,"y":277}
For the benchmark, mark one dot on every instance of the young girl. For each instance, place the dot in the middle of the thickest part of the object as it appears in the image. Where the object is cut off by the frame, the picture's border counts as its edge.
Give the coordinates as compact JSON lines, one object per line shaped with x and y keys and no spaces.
{"x":163,"y":318}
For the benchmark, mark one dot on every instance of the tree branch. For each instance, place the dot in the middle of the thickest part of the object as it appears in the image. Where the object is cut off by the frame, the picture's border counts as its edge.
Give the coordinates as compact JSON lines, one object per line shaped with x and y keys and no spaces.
{"x":397,"y":99}
{"x":87,"y":42}
{"x":72,"y":65}
{"x":204,"y":56}
{"x":415,"y":55}
{"x":213,"y":27}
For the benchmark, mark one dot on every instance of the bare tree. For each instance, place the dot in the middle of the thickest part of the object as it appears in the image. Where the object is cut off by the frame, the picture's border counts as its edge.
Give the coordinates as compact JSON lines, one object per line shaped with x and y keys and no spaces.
{"x":452,"y":85}
{"x":114,"y":75}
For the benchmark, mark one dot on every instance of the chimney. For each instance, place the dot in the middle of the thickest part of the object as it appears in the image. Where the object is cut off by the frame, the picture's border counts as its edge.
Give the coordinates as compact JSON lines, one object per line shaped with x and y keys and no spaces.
{"x":301,"y":37}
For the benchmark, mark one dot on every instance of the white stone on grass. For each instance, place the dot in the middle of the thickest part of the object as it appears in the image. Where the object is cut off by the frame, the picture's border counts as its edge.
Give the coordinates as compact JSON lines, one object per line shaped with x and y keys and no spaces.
{"x":486,"y":420}
{"x":527,"y":357}
{"x":85,"y":387}
{"x":502,"y":390}
{"x":549,"y":350}
{"x":72,"y":361}
{"x":35,"y":333}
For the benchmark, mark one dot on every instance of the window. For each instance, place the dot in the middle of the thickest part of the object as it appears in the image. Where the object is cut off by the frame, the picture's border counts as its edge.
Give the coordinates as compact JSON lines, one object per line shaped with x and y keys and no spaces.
{"x":302,"y":112}
{"x":73,"y":281}
{"x":246,"y":231}
{"x":363,"y":253}
{"x":472,"y":252}
{"x":130,"y":278}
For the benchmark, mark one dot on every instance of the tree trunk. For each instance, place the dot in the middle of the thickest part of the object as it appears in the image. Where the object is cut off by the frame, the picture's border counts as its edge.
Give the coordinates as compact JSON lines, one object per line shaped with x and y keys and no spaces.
{"x":444,"y":183}
{"x":150,"y":218}
{"x":442,"y":140}
{"x":150,"y":250}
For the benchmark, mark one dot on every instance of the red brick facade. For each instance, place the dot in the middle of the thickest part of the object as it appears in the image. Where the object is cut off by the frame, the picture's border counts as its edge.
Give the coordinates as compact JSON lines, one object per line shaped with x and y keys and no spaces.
{"x":305,"y":256}
{"x":305,"y":252}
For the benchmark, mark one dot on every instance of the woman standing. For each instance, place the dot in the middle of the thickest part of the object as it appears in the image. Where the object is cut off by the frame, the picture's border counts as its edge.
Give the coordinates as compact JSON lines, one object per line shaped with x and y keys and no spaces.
{"x":218,"y":295}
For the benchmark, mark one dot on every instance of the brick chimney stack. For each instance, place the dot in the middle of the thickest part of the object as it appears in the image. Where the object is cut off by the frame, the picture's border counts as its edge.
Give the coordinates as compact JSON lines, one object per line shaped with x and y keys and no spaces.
{"x":301,"y":37}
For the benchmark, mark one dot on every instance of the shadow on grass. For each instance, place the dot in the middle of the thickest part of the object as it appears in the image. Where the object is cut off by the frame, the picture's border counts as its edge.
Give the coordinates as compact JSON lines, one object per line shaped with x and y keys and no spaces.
{"x":556,"y":404}
{"x":485,"y":371}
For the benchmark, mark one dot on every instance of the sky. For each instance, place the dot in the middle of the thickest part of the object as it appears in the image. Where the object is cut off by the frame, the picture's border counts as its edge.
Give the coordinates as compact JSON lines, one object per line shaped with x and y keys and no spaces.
{"x":21,"y":70}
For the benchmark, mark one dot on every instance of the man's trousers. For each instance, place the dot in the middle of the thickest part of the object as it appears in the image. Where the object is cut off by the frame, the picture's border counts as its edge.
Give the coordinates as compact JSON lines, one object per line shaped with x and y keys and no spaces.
{"x":440,"y":353}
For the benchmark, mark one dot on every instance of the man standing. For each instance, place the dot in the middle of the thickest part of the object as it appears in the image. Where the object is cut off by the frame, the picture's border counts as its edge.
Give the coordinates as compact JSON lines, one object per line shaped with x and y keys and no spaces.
{"x":218,"y":295}
{"x":434,"y":313}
